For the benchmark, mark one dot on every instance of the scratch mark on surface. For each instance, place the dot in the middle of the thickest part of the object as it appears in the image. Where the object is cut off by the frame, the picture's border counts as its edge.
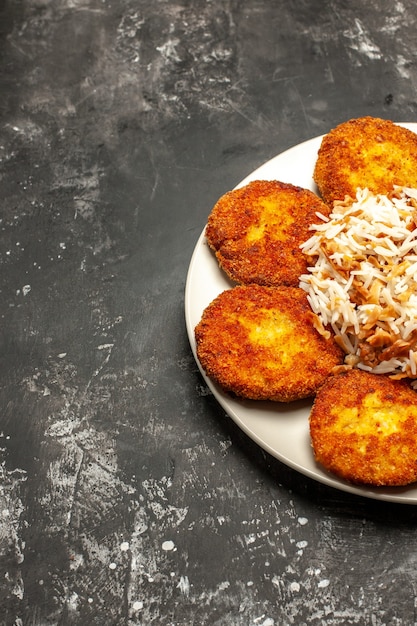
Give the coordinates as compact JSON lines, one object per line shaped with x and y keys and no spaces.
{"x":361,"y":42}
{"x":11,"y":519}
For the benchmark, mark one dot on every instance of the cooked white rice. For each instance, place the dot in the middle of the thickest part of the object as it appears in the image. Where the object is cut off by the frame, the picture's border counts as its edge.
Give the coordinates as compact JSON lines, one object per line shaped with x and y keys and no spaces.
{"x":363,"y":279}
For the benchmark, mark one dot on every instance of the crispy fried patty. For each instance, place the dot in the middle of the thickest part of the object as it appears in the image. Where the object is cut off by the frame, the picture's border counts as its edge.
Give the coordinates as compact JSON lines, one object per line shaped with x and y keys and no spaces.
{"x":256,"y":232}
{"x":365,"y":152}
{"x":363,"y":428}
{"x":259,"y":342}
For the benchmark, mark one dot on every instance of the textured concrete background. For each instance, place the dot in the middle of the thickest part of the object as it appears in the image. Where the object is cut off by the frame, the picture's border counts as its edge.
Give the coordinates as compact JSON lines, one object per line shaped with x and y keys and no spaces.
{"x":127,"y":497}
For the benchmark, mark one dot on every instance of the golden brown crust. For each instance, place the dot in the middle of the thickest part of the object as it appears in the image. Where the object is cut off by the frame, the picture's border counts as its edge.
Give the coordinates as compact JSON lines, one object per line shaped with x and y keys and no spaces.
{"x":365,"y":152}
{"x":363,"y":428}
{"x":260,"y":343}
{"x":256,"y":232}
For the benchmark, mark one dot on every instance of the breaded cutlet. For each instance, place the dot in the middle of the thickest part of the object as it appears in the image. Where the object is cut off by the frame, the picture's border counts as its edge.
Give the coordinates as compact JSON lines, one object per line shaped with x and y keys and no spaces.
{"x":260,"y":343}
{"x":363,"y":428}
{"x":365,"y":152}
{"x":256,"y":231}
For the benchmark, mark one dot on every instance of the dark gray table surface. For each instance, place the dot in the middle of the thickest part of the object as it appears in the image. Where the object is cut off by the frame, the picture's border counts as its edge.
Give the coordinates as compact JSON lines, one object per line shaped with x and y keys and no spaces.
{"x":127,"y":496}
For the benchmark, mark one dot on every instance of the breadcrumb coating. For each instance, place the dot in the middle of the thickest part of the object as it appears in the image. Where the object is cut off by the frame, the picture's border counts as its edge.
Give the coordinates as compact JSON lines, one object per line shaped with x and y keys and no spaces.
{"x":366,"y":152}
{"x":256,"y":232}
{"x":363,"y":428}
{"x":260,"y":343}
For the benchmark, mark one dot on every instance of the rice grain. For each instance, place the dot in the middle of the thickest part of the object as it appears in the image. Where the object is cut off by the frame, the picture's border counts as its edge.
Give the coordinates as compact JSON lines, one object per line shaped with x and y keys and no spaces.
{"x":362,"y":279}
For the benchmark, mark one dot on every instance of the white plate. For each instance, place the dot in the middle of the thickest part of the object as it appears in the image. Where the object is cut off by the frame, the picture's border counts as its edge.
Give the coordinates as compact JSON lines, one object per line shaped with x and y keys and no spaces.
{"x":281,"y":429}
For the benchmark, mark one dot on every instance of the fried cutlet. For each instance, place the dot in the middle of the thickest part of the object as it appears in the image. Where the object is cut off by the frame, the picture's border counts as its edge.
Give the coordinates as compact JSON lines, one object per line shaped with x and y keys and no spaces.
{"x":364,"y":429}
{"x":365,"y":152}
{"x":260,"y":343}
{"x":256,"y":232}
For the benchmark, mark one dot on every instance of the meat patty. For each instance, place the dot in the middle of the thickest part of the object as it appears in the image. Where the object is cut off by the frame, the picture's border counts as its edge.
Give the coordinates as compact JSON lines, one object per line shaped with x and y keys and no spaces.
{"x":365,"y":152}
{"x":260,"y":343}
{"x":256,"y":232}
{"x":363,"y":428}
